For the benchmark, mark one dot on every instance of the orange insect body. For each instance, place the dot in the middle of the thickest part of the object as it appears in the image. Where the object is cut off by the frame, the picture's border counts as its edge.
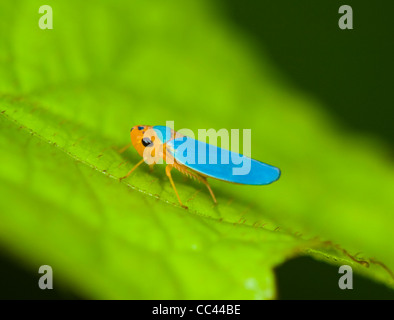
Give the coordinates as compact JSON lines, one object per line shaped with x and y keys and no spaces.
{"x":143,"y":137}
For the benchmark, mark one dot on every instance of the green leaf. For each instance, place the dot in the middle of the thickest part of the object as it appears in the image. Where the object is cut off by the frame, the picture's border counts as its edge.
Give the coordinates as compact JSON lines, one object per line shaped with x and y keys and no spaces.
{"x":69,"y":97}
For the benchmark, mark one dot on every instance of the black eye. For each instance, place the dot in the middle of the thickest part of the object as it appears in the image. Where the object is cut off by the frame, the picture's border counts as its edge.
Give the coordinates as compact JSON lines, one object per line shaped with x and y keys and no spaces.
{"x":147,"y":142}
{"x":140,"y":128}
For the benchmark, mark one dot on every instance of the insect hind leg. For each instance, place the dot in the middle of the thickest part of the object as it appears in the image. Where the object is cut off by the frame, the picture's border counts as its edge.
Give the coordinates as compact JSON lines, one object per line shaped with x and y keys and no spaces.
{"x":196,"y":176}
{"x":205,"y":181}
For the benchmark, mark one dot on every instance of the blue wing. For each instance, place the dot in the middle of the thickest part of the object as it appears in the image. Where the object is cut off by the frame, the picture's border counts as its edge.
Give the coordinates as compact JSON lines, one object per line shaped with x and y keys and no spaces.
{"x":220,"y":163}
{"x":163,"y":132}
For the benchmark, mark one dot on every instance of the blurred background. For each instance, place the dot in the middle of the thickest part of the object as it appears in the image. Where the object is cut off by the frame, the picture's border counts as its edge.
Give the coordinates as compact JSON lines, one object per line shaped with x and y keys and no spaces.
{"x":351,"y":72}
{"x":351,"y":75}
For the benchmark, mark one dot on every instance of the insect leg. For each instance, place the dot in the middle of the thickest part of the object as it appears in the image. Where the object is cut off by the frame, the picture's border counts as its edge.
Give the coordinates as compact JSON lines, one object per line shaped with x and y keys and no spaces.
{"x":125,"y":148}
{"x":135,"y":167}
{"x":205,"y":181}
{"x":168,"y":173}
{"x":196,"y":176}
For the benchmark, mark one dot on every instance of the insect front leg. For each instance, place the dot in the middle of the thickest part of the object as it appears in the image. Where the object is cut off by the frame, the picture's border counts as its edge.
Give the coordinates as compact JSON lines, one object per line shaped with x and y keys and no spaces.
{"x":124,"y":148}
{"x":135,"y":167}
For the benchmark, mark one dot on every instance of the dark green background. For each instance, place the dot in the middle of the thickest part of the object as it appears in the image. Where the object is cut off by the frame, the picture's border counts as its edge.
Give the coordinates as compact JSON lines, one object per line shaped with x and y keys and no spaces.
{"x":351,"y":71}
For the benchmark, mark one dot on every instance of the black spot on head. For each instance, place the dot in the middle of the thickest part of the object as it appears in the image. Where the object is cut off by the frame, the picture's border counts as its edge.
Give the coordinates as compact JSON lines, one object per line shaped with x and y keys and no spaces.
{"x":140,"y":128}
{"x":147,"y":142}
